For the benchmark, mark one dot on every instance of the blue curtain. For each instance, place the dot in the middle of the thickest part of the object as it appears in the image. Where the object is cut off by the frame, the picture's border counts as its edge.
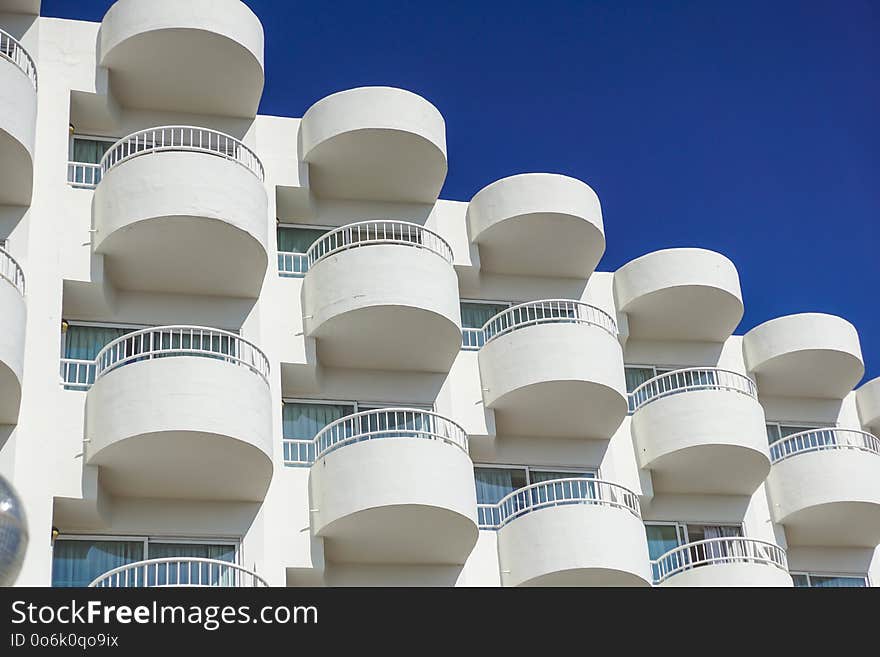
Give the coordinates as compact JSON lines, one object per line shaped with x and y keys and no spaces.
{"x":297,"y":240}
{"x":84,"y":342}
{"x":89,"y":151}
{"x":495,"y":483}
{"x":78,"y":563}
{"x":475,"y":315}
{"x":303,"y":421}
{"x":636,"y":376}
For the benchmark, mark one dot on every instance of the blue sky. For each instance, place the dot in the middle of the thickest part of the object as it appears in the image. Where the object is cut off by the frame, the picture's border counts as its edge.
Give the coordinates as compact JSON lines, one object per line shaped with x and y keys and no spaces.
{"x":750,"y":128}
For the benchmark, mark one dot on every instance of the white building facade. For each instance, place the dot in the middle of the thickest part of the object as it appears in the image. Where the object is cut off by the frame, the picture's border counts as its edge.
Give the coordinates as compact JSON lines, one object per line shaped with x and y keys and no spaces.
{"x":254,"y":350}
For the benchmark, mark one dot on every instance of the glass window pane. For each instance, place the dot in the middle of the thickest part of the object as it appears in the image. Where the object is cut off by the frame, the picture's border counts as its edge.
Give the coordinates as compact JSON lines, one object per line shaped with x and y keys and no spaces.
{"x":298,"y":240}
{"x":89,"y":151}
{"x":494,"y":483}
{"x":800,"y":581}
{"x":773,"y":433}
{"x":636,"y":376}
{"x":475,"y":315}
{"x":84,"y":342}
{"x":817,"y":581}
{"x":301,"y":421}
{"x":661,"y":539}
{"x":78,"y":563}
{"x":537,"y":476}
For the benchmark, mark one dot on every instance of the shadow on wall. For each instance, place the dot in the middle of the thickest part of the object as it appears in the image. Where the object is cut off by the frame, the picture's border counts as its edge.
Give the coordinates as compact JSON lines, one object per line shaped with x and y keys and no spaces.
{"x":382,"y":575}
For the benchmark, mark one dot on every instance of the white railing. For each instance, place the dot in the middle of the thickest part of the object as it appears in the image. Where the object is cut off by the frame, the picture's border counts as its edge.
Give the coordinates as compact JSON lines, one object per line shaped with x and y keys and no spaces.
{"x":294,"y":265}
{"x":548,"y":311}
{"x":370,"y":233}
{"x":77,"y":374}
{"x":83,"y":174}
{"x":169,"y":341}
{"x":556,"y":492}
{"x":11,"y":271}
{"x":714,"y":551}
{"x":373,"y":425}
{"x":182,"y":138}
{"x":472,"y":339}
{"x":179,"y":571}
{"x":687,"y":380}
{"x":815,"y":440}
{"x":12,"y":50}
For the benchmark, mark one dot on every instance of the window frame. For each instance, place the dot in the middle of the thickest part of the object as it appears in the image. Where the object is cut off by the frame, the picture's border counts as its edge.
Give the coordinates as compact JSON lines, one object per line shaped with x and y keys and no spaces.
{"x":816,"y":573}
{"x":75,"y":136}
{"x":802,"y":426}
{"x":286,"y":224}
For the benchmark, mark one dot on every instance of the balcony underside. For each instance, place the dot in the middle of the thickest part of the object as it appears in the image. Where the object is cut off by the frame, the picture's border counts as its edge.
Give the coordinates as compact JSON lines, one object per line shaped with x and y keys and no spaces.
{"x":710,"y":470}
{"x":731,"y":575}
{"x":809,"y":373}
{"x":16,"y":183}
{"x":13,"y":316}
{"x":685,"y":312}
{"x":10,"y":395}
{"x":588,"y":577}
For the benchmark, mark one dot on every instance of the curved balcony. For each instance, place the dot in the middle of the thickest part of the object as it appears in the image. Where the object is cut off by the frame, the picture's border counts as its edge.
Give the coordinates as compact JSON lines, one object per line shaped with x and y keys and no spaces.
{"x":197,"y":57}
{"x":537,"y":224}
{"x":18,"y":116}
{"x":680,"y":294}
{"x":570,"y":532}
{"x":375,"y":143}
{"x":383,"y":295}
{"x":726,"y":562}
{"x":824,"y":487}
{"x":179,"y":571}
{"x":181,"y":412}
{"x":806,"y":355}
{"x":394,"y":486}
{"x":868,"y":402}
{"x":183,"y":210}
{"x":701,"y":430}
{"x":553,"y":368}
{"x":13,"y":316}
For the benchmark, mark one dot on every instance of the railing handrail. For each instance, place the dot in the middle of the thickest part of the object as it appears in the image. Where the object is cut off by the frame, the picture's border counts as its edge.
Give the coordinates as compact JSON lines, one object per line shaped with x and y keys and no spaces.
{"x":18,"y":56}
{"x":342,"y":238}
{"x":582,"y":313}
{"x":669,"y":563}
{"x":130,"y":147}
{"x":146,"y":563}
{"x":109,"y":358}
{"x":11,"y":270}
{"x":795,"y":443}
{"x":650,"y":389}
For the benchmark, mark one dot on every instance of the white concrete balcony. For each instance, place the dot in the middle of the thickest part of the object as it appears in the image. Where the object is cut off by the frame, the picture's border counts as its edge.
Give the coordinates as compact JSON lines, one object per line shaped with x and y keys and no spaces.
{"x":701,"y":430}
{"x":181,"y":412}
{"x":805,"y":355}
{"x":724,"y":562}
{"x":196,"y":57}
{"x":537,"y":224}
{"x":179,"y":572}
{"x":824,"y":487}
{"x":376,"y":144}
{"x":680,"y":294}
{"x":394,"y":486}
{"x":553,"y":368}
{"x":570,"y":532}
{"x":383,"y":295}
{"x":868,"y":402}
{"x":18,"y":116}
{"x":13,"y":316}
{"x":183,"y":210}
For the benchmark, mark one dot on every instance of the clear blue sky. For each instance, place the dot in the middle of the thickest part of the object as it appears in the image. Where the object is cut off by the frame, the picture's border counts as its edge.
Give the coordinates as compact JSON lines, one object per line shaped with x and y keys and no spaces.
{"x":750,"y":128}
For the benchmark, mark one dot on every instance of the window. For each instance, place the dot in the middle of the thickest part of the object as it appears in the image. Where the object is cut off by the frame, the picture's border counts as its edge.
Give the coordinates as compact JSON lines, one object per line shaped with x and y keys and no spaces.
{"x":666,"y":536}
{"x":298,"y":239}
{"x":90,"y":150}
{"x":636,"y":375}
{"x":494,"y":483}
{"x":811,"y":580}
{"x":84,"y":341}
{"x":779,"y":430}
{"x":474,"y":315}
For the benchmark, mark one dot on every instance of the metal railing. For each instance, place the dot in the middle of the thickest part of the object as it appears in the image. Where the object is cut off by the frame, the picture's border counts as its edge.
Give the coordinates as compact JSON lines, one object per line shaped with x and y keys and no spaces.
{"x":83,"y":174}
{"x":182,"y":138}
{"x":77,"y":374}
{"x":169,"y":341}
{"x":815,"y":440}
{"x":373,"y":425}
{"x":11,"y":49}
{"x":11,"y":271}
{"x":714,"y":551}
{"x":472,"y":339}
{"x":556,"y":492}
{"x":370,"y":233}
{"x":687,"y":380}
{"x":179,"y":571}
{"x":548,"y":311}
{"x":292,"y":265}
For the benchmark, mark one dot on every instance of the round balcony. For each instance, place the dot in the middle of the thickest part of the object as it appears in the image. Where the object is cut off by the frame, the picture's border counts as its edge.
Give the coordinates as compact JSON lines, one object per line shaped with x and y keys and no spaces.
{"x":183,"y":210}
{"x":724,"y":562}
{"x":824,"y":487}
{"x":394,"y":486}
{"x":13,"y":316}
{"x":194,"y":57}
{"x":383,"y":295}
{"x":18,"y":117}
{"x":868,"y":402}
{"x":179,"y":572}
{"x":701,"y":431}
{"x":537,"y":224}
{"x":375,"y":144}
{"x":570,"y":532}
{"x":181,"y":412}
{"x":806,"y":355}
{"x":680,"y":294}
{"x":553,"y":368}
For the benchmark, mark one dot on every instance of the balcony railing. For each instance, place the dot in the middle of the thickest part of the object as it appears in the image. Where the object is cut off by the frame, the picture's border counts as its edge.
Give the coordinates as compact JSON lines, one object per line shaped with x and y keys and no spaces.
{"x":373,"y":425}
{"x":549,"y":311}
{"x":13,"y":51}
{"x":179,"y":571}
{"x":688,"y":380}
{"x":183,"y":139}
{"x":370,"y":233}
{"x":77,"y":374}
{"x":816,"y":440}
{"x":472,"y":339}
{"x":292,"y":265}
{"x":83,"y":174}
{"x":11,"y":271}
{"x":556,"y":492}
{"x":715,"y":551}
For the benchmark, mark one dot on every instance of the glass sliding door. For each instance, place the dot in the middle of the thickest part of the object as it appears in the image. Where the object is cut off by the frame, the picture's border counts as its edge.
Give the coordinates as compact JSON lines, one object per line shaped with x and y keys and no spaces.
{"x":79,"y":562}
{"x":176,"y":574}
{"x":303,"y":421}
{"x":662,"y":539}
